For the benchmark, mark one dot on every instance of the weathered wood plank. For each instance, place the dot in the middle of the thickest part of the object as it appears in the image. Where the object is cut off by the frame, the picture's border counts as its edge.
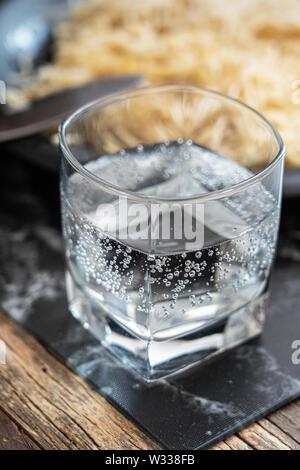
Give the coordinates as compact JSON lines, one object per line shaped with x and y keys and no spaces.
{"x":235,"y":443}
{"x":259,"y":438}
{"x":277,"y":432}
{"x":263,"y":435}
{"x":221,"y":446}
{"x":288,"y":419}
{"x":53,"y":405}
{"x":12,"y":437}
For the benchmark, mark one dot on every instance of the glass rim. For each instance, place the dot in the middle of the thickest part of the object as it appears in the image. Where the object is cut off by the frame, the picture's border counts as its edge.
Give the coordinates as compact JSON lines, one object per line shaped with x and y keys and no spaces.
{"x":202,"y":197}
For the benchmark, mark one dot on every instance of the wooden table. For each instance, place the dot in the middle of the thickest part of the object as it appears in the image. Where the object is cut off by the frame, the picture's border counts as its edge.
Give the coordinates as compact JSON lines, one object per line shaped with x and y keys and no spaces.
{"x":44,"y":405}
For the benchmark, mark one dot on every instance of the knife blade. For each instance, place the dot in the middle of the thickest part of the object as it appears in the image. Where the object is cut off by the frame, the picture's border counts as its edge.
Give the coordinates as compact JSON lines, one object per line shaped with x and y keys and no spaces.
{"x":52,"y":109}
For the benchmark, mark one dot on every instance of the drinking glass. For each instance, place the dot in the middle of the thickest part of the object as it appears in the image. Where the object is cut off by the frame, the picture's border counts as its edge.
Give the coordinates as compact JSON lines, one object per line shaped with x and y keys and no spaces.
{"x":171,"y":203}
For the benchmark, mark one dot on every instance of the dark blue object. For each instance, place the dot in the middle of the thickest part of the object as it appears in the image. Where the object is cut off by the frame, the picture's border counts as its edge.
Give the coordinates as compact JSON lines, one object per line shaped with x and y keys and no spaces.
{"x":26,"y":32}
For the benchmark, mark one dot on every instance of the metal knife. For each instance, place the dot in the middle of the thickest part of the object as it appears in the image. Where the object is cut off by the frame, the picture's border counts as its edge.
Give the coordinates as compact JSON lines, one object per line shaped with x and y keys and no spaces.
{"x":52,"y":109}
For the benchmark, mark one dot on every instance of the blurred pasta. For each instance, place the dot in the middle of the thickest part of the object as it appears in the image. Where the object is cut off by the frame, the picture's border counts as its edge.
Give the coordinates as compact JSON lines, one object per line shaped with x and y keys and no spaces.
{"x":249,"y":49}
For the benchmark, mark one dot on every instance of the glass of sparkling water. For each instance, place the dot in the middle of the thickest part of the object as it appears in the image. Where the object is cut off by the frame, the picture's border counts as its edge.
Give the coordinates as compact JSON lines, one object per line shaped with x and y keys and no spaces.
{"x":171,"y":203}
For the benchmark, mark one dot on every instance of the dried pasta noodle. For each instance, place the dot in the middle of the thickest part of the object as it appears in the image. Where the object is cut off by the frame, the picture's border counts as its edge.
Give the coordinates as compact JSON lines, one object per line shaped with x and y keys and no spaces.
{"x":249,"y":49}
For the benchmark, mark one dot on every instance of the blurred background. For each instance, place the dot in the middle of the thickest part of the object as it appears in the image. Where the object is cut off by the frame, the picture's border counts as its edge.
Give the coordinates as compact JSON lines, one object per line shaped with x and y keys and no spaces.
{"x":248,"y":49}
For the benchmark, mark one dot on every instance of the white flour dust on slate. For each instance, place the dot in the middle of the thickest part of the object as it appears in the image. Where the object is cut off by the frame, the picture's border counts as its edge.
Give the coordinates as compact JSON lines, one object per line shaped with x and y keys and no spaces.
{"x":24,"y":279}
{"x":266,"y":367}
{"x":202,"y":404}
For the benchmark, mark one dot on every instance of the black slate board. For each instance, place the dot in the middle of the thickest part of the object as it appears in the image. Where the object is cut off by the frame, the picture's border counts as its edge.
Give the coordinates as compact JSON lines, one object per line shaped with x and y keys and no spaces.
{"x":190,"y":412}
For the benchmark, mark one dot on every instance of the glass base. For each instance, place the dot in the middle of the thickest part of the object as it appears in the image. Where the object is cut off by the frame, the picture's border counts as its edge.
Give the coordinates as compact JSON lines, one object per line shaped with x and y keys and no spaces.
{"x":154,"y":360}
